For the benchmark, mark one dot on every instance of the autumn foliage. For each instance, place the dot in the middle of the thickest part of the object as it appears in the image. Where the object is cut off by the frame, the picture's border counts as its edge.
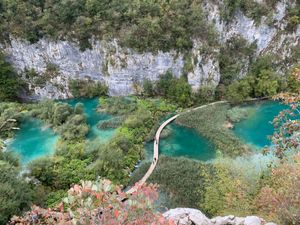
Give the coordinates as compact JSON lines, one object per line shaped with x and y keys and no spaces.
{"x":287,"y":125}
{"x":280,"y":198}
{"x":99,"y":202}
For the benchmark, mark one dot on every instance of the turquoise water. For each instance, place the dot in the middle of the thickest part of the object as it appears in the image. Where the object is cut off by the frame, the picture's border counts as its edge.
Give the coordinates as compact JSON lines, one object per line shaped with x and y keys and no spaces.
{"x":183,"y":142}
{"x":93,"y":117}
{"x":33,"y":141}
{"x":257,"y":127}
{"x":254,"y":130}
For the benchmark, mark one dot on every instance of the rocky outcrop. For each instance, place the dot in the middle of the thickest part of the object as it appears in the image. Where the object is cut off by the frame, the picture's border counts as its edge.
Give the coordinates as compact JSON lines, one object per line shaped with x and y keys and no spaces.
{"x":187,"y":216}
{"x":124,"y":70}
{"x":119,"y":68}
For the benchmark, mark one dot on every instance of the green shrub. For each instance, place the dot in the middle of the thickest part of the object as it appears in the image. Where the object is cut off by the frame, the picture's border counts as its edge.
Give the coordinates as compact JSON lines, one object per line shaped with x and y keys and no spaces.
{"x":267,"y":84}
{"x":118,"y":105}
{"x":15,"y":193}
{"x":293,"y":19}
{"x":251,"y":8}
{"x":148,"y":89}
{"x":261,"y":81}
{"x":180,"y":179}
{"x":75,"y":128}
{"x":174,"y":89}
{"x":239,"y":91}
{"x":88,"y":88}
{"x":205,"y":94}
{"x":10,"y":83}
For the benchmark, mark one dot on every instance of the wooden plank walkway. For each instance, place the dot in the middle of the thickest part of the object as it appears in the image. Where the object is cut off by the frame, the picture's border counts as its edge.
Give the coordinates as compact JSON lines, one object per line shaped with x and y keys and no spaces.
{"x":155,"y":155}
{"x":156,"y":146}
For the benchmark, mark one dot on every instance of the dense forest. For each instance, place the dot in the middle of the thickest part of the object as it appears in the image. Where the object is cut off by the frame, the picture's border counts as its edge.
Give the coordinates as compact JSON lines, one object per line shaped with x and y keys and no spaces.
{"x":140,"y":24}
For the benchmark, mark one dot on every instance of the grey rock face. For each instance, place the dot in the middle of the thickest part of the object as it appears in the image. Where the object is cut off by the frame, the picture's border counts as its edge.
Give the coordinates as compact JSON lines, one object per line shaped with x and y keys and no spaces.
{"x":121,"y":69}
{"x":228,"y":220}
{"x":252,"y":220}
{"x":187,"y":216}
{"x":106,"y":62}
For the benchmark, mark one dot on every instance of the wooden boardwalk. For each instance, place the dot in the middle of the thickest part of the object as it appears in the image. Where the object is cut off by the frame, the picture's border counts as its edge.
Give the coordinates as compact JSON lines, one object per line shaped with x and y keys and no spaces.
{"x":156,"y":146}
{"x":155,"y":155}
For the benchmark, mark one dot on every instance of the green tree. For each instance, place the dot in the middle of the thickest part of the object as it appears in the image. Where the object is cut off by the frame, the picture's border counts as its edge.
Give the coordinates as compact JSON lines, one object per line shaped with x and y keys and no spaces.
{"x":148,"y":88}
{"x":205,"y":94}
{"x":266,"y":62}
{"x":79,"y":108}
{"x":42,"y":169}
{"x":182,"y":93}
{"x":9,"y":82}
{"x":164,"y":84}
{"x":75,"y":128}
{"x":61,"y":113}
{"x":238,"y":91}
{"x":267,"y":84}
{"x":15,"y":193}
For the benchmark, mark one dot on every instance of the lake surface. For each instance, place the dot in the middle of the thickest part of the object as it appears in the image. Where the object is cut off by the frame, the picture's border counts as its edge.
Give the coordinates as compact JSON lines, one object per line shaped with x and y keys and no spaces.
{"x":183,"y":142}
{"x":258,"y":126}
{"x":254,"y":130}
{"x":33,"y":141}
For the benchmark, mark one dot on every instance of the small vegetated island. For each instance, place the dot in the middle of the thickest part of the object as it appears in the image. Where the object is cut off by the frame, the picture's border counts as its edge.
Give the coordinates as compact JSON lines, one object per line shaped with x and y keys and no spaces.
{"x":71,"y":143}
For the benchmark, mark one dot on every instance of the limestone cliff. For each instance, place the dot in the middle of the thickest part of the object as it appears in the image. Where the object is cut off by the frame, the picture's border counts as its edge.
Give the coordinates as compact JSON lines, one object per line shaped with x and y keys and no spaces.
{"x":124,"y":70}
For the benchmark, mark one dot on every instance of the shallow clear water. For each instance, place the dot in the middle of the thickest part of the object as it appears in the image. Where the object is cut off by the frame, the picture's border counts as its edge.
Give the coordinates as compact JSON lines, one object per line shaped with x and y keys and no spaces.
{"x":93,"y":117}
{"x":33,"y":141}
{"x":257,"y":127}
{"x":183,"y":142}
{"x":253,"y":130}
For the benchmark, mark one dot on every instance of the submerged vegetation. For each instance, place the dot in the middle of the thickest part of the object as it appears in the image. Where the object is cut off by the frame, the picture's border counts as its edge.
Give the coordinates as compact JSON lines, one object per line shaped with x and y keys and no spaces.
{"x":181,"y":180}
{"x":210,"y":123}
